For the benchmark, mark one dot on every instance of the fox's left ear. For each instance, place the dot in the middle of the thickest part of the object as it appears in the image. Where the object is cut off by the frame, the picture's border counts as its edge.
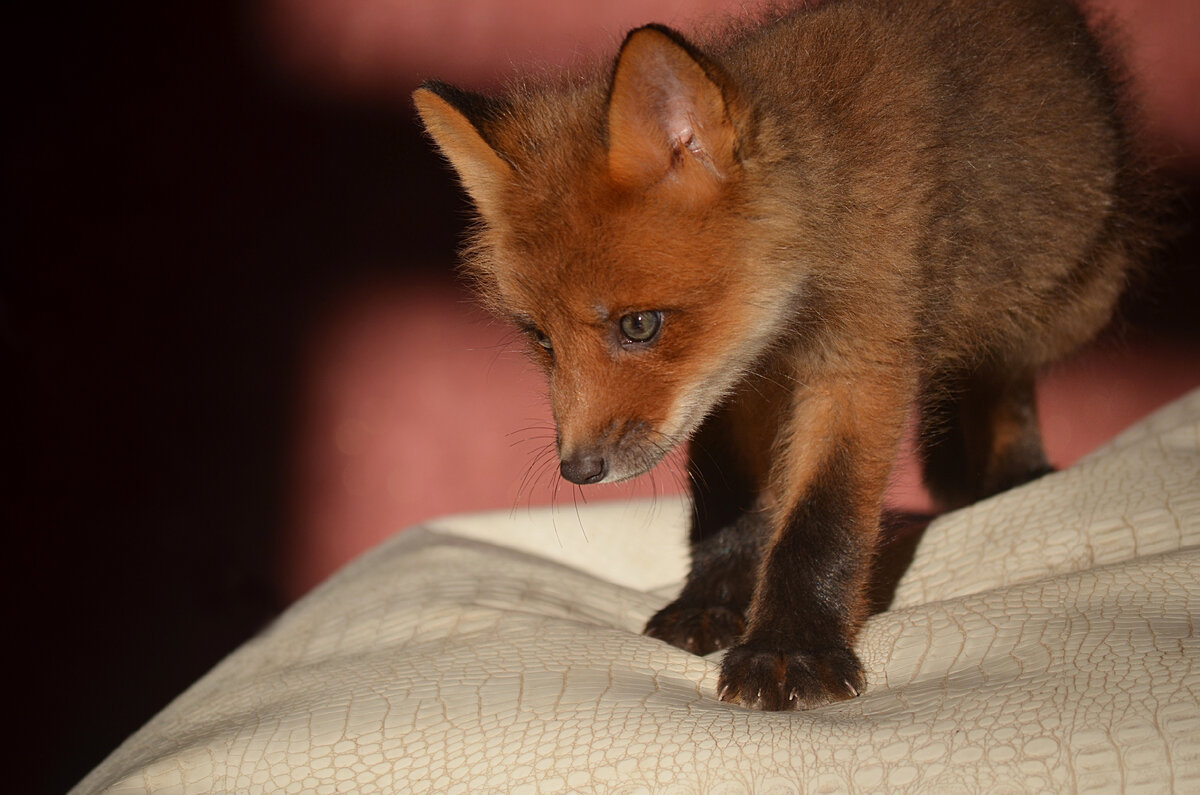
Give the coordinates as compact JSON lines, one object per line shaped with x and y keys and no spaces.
{"x":669,"y":113}
{"x":444,"y":111}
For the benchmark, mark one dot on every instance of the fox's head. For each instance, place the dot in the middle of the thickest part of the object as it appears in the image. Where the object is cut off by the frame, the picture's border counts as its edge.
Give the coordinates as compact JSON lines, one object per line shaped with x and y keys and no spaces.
{"x":621,"y":235}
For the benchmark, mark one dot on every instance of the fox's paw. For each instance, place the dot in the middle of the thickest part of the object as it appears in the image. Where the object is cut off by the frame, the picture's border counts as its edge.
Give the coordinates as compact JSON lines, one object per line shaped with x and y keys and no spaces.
{"x":771,"y":679}
{"x":699,"y":630}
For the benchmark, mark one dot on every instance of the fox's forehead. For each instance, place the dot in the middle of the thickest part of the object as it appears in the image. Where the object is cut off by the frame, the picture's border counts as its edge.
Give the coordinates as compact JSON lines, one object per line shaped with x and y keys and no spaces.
{"x":588,"y":288}
{"x":586,"y":256}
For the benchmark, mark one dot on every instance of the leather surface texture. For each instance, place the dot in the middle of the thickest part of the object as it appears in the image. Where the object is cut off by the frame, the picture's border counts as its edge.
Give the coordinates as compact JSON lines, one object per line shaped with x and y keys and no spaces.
{"x":1042,"y":640}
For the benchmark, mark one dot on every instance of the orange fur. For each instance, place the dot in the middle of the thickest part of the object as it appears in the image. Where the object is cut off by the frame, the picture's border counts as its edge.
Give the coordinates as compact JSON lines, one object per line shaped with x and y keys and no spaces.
{"x":772,"y":245}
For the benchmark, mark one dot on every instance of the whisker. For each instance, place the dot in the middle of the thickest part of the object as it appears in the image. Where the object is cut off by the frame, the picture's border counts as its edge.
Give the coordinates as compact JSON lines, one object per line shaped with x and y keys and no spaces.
{"x":537,"y":468}
{"x":554,"y":508}
{"x":577,"y":494}
{"x":536,"y":461}
{"x":543,"y":428}
{"x":532,"y":439}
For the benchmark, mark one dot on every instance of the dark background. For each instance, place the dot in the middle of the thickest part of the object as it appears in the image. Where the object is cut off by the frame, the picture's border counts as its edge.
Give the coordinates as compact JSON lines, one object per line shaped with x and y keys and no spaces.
{"x":179,"y":216}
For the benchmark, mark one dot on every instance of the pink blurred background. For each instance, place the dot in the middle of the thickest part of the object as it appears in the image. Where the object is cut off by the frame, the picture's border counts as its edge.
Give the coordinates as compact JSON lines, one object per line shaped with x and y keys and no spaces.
{"x":387,"y":46}
{"x":416,"y":401}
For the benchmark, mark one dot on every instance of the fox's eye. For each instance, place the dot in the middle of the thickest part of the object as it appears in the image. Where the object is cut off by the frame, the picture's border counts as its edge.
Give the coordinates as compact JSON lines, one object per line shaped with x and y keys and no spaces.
{"x":641,"y":326}
{"x":542,"y":339}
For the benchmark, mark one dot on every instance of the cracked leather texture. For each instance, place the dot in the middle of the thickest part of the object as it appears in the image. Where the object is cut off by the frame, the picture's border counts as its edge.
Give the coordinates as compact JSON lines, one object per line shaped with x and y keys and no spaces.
{"x":1043,"y":640}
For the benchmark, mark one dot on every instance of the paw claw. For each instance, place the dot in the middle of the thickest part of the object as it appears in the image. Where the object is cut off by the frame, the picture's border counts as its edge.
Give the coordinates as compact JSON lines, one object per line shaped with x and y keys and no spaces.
{"x":785,"y":680}
{"x":699,"y":630}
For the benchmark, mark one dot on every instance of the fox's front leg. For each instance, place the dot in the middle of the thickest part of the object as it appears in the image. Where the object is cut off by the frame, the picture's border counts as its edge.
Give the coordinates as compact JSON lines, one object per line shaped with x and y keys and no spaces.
{"x":811,"y":595}
{"x":726,"y":537}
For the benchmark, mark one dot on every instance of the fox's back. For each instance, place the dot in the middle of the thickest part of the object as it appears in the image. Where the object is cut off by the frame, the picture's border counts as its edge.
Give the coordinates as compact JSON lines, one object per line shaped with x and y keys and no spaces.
{"x":976,"y":147}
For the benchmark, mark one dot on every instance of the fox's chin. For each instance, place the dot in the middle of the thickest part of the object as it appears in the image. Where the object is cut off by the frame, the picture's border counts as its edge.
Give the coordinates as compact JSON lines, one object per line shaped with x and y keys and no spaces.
{"x":616,"y":475}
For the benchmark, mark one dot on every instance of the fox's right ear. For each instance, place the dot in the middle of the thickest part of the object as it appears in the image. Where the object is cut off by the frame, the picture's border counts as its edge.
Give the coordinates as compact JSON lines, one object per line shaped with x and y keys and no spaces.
{"x":670,"y":114}
{"x":443,"y":110}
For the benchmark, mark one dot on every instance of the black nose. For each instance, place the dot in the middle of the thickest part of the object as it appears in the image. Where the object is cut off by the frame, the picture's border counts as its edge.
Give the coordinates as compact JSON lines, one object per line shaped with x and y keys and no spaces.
{"x":583,"y":468}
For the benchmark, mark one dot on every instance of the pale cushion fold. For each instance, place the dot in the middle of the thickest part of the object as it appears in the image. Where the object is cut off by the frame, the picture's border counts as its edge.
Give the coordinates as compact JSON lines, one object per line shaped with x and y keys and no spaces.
{"x":1043,"y":640}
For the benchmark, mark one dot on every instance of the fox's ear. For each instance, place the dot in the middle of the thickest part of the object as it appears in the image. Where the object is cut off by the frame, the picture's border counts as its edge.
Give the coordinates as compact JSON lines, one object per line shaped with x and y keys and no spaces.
{"x":444,"y":111}
{"x":668,"y":113}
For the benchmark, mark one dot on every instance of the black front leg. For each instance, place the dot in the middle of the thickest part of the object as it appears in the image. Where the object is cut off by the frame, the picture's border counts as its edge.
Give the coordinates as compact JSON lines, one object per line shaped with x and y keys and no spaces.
{"x":710,"y":613}
{"x":797,"y":652}
{"x":726,"y":543}
{"x":812,"y":595}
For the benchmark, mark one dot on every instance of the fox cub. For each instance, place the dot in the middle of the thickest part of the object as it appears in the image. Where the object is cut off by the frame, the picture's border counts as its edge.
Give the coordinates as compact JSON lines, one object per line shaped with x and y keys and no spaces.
{"x":772,"y":245}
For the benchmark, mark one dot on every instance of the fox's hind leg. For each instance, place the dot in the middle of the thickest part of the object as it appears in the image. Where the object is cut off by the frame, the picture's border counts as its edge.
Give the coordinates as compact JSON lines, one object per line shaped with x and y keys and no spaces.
{"x":727,"y":536}
{"x":980,"y":436}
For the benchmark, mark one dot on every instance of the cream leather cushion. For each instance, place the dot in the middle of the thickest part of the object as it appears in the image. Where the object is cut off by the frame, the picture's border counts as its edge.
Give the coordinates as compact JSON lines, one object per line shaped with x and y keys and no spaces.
{"x":1044,"y":640}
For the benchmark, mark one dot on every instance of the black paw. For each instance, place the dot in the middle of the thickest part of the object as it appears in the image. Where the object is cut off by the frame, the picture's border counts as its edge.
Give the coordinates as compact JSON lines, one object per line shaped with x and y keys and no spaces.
{"x":699,"y":630}
{"x":772,"y":679}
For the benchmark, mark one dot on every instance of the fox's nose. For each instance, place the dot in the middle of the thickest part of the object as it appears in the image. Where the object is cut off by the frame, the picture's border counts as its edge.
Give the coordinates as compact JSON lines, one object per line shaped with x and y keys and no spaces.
{"x":584,"y":468}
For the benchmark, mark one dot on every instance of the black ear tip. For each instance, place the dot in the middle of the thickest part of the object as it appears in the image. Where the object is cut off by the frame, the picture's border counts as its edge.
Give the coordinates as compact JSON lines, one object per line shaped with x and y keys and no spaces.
{"x":441,"y":89}
{"x":476,"y":107}
{"x":661,"y":29}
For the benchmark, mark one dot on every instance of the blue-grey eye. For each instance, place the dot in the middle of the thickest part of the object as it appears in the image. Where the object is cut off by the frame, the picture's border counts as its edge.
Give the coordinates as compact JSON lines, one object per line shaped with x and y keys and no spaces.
{"x":542,"y":339}
{"x":641,"y":326}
